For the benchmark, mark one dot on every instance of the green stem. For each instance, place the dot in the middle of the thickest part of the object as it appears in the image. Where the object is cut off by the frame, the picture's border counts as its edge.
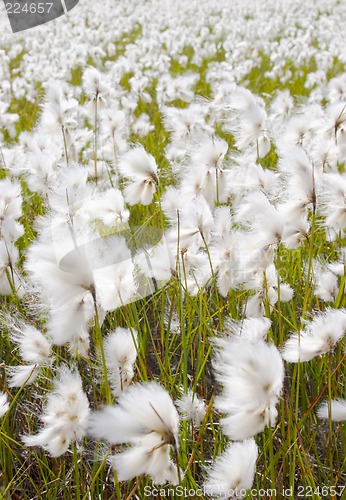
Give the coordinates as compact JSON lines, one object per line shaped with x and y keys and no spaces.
{"x":65,"y":143}
{"x":330,"y":421}
{"x":75,"y":463}
{"x":99,"y":343}
{"x":278,"y":265}
{"x":117,"y":486}
{"x":307,"y":293}
{"x":272,"y":456}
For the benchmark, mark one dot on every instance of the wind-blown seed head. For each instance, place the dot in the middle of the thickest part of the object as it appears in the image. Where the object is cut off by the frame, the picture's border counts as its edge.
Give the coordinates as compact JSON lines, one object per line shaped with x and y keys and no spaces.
{"x":141,"y":409}
{"x":65,"y":415}
{"x":94,"y":86}
{"x":34,"y":347}
{"x":337,"y":410}
{"x":141,"y":170}
{"x":21,"y":375}
{"x":120,"y":349}
{"x":251,"y":375}
{"x":326,"y":282}
{"x":10,"y":199}
{"x":318,"y":337}
{"x":138,"y":165}
{"x":249,"y":329}
{"x":233,"y":471}
{"x":4,"y":404}
{"x":192,"y":407}
{"x":109,"y":208}
{"x":146,"y":457}
{"x":333,"y":196}
{"x":145,"y":417}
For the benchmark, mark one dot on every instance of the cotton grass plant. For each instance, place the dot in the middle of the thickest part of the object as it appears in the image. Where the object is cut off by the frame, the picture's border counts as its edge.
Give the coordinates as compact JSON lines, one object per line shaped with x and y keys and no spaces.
{"x":172,"y":253}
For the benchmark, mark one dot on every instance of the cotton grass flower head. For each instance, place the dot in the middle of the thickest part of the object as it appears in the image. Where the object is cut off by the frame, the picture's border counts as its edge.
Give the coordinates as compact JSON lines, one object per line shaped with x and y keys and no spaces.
{"x":95,"y":87}
{"x":265,"y":283}
{"x":249,"y":329}
{"x":109,"y":208}
{"x":295,"y":233}
{"x":251,"y":375}
{"x":233,"y":472}
{"x":120,"y":349}
{"x":10,"y":277}
{"x":253,"y":131}
{"x":142,"y":125}
{"x":257,"y":212}
{"x":10,"y":199}
{"x":187,"y":125}
{"x":326,"y":282}
{"x":319,"y":336}
{"x":18,"y":376}
{"x":224,"y":253}
{"x":144,"y":416}
{"x":337,"y":89}
{"x":34,"y":348}
{"x":192,"y":407}
{"x":299,"y":175}
{"x":205,"y":173}
{"x":141,"y":170}
{"x":281,"y":107}
{"x":64,"y":417}
{"x":4,"y":404}
{"x":10,"y":230}
{"x":210,"y":154}
{"x":250,"y":124}
{"x":336,"y":410}
{"x":114,"y":131}
{"x":333,"y":197}
{"x":59,"y":113}
{"x":194,"y":225}
{"x":155,"y":264}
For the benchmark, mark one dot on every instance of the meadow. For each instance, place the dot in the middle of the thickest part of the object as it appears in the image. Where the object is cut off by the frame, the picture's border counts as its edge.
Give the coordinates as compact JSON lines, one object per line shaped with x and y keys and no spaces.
{"x":172,"y":252}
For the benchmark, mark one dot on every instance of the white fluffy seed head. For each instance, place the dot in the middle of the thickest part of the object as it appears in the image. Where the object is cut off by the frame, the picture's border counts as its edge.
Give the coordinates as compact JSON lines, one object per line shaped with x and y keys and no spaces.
{"x":138,"y":165}
{"x":233,"y":471}
{"x":140,"y":410}
{"x":34,"y":347}
{"x":95,"y":87}
{"x":120,"y":349}
{"x":4,"y":404}
{"x":145,"y":417}
{"x":318,"y":337}
{"x":10,"y":199}
{"x":251,"y":375}
{"x":249,"y":329}
{"x":18,"y":376}
{"x":65,"y":415}
{"x":192,"y":407}
{"x":336,"y":410}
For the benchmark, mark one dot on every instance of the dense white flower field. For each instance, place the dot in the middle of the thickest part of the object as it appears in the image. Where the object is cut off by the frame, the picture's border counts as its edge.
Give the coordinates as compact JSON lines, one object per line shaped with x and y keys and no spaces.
{"x":172,"y":252}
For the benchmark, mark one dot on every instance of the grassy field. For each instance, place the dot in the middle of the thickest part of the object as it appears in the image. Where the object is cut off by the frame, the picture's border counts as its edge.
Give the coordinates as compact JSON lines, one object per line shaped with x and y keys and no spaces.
{"x":68,"y":152}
